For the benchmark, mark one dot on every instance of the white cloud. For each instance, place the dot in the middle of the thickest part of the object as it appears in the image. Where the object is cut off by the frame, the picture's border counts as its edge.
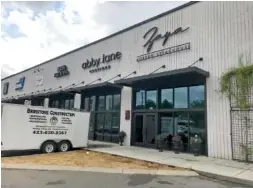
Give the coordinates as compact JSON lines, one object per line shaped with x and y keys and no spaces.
{"x":46,"y":31}
{"x":49,"y":34}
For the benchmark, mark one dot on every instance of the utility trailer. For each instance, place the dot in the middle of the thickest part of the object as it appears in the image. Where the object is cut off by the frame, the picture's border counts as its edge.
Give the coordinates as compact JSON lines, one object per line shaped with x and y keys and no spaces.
{"x":26,"y":127}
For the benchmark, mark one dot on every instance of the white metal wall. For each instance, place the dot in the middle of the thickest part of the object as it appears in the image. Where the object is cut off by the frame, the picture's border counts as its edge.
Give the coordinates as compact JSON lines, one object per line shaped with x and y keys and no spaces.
{"x":126,"y":104}
{"x":219,"y":32}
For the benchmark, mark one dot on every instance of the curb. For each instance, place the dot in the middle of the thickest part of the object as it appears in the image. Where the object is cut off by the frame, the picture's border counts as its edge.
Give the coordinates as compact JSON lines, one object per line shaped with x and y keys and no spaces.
{"x":225,"y":178}
{"x":202,"y":173}
{"x":101,"y":170}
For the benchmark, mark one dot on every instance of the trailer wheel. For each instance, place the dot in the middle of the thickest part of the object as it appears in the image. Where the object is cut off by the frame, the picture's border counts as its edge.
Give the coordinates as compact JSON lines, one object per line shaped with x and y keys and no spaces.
{"x":64,"y":146}
{"x":48,"y":147}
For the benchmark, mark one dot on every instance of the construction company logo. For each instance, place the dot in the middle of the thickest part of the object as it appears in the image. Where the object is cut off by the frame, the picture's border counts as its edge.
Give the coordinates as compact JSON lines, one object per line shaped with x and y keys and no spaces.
{"x":53,"y":120}
{"x":20,"y":83}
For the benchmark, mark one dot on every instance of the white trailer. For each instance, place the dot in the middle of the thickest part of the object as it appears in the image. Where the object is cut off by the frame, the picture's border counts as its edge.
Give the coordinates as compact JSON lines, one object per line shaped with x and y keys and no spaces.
{"x":47,"y":129}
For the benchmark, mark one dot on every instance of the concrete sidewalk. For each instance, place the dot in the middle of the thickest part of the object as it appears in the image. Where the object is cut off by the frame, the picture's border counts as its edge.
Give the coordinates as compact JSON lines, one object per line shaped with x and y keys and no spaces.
{"x":228,"y":170}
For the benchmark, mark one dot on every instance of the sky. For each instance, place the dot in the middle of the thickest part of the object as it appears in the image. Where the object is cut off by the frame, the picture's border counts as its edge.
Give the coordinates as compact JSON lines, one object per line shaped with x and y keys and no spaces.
{"x":35,"y":31}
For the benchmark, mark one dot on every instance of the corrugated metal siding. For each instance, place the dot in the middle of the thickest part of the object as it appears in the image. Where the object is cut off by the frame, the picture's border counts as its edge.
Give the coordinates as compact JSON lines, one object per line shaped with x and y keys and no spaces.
{"x":126,"y":103}
{"x":219,"y":32}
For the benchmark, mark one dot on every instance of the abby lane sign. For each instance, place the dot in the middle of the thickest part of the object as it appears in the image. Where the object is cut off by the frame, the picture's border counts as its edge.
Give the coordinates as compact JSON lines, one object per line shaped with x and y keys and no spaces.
{"x":96,"y":62}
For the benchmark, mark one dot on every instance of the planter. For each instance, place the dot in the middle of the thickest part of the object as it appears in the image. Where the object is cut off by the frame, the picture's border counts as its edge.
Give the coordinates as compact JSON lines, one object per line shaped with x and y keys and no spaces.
{"x":177,"y":143}
{"x":122,"y":136}
{"x":160,"y":141}
{"x":196,"y":145}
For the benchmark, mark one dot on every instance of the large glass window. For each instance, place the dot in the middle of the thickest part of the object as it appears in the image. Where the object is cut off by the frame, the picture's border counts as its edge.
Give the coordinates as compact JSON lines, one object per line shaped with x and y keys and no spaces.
{"x":92,"y":125}
{"x":56,"y":104}
{"x":181,"y":97}
{"x":92,"y":103}
{"x":181,"y":122}
{"x":53,"y":104}
{"x":151,"y":101}
{"x":197,"y":96}
{"x":67,"y":104}
{"x":71,"y":103}
{"x":106,"y":121}
{"x":197,"y":127}
{"x":86,"y":104}
{"x":100,"y":126}
{"x":116,"y":102}
{"x":166,"y":98}
{"x":115,"y":126}
{"x":108,"y":126}
{"x":101,"y":103}
{"x":167,"y":127}
{"x":140,"y":99}
{"x":92,"y":121}
{"x":62,"y":104}
{"x":108,"y":104}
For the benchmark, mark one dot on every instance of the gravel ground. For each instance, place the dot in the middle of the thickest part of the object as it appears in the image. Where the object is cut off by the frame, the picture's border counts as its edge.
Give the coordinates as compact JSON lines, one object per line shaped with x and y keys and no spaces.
{"x":84,"y":158}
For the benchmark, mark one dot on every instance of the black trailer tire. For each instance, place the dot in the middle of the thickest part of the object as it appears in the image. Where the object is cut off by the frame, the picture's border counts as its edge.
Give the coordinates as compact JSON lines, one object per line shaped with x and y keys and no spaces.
{"x":48,"y":147}
{"x":64,"y":146}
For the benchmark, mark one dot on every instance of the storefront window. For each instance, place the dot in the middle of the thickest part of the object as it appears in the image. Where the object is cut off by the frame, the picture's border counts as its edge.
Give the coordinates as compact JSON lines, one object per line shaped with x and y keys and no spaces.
{"x":115,"y":126}
{"x":116,"y":102}
{"x":71,"y":103}
{"x":151,"y":100}
{"x":101,"y":103}
{"x":66,"y":104}
{"x":92,"y":121}
{"x":86,"y":104}
{"x":197,"y":96}
{"x":107,"y":126}
{"x":53,"y":104}
{"x":167,"y":127}
{"x":100,"y":126}
{"x":140,"y":100}
{"x":197,"y":127}
{"x":181,"y":122}
{"x":56,"y":104}
{"x":105,"y":117}
{"x":166,"y":98}
{"x":62,"y":104}
{"x":181,"y":97}
{"x":108,"y":104}
{"x":92,"y":103}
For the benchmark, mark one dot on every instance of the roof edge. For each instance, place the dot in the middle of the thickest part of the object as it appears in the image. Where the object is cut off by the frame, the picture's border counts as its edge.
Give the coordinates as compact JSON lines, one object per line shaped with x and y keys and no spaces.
{"x":109,"y":36}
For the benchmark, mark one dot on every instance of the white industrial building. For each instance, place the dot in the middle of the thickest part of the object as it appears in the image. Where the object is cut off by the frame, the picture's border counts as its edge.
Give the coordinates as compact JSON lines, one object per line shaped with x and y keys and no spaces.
{"x":158,"y":76}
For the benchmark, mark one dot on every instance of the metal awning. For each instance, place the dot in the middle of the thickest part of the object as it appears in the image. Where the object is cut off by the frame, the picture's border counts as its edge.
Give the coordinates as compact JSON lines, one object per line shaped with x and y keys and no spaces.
{"x":70,"y":91}
{"x":189,"y":72}
{"x":46,"y":94}
{"x":96,"y":86}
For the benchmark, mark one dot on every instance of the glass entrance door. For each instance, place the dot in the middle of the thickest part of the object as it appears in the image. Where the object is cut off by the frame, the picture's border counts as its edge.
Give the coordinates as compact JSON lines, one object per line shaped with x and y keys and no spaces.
{"x":150,"y":130}
{"x":145,"y":126}
{"x":138,"y":130}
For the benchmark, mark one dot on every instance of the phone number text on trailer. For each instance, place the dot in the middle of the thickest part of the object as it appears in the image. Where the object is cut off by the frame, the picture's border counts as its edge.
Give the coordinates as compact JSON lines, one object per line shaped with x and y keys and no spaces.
{"x":50,"y":132}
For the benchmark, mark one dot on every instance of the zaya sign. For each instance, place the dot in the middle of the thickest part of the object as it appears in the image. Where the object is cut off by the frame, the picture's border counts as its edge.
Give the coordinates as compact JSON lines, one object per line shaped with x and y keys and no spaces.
{"x":163,"y":52}
{"x":154,"y":37}
{"x":102,"y":62}
{"x":61,"y":71}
